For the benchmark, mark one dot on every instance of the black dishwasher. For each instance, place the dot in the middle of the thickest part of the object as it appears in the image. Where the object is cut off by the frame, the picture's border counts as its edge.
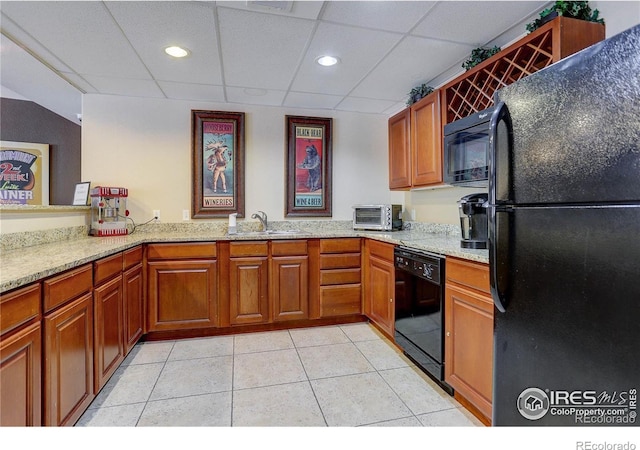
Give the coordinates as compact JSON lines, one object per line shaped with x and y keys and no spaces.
{"x":419,"y":310}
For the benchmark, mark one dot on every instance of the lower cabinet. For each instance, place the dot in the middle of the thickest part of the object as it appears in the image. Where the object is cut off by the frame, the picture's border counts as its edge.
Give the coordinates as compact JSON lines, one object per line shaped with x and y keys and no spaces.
{"x":249,"y":290}
{"x":340,"y":277}
{"x":108,"y":313}
{"x":469,"y":333}
{"x":68,"y":362}
{"x":182,"y":286}
{"x":133,"y":297}
{"x":20,"y":358}
{"x":379,"y":291}
{"x":289,"y":280}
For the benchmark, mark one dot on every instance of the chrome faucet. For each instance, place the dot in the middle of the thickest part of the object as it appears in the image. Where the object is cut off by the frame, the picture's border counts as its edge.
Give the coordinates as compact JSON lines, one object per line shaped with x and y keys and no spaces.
{"x":262,"y":217}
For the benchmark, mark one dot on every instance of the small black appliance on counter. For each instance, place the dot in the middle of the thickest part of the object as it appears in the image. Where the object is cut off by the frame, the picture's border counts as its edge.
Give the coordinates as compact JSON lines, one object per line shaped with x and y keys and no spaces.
{"x":473,"y":220}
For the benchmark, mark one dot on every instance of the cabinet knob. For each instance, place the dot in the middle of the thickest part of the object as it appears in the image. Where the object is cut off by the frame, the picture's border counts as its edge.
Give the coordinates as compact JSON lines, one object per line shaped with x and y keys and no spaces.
{"x":448,"y":333}
{"x":390,"y":300}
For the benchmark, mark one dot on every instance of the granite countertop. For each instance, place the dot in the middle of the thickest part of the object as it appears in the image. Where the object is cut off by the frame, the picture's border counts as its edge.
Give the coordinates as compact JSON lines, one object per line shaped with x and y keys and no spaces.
{"x":23,"y":265}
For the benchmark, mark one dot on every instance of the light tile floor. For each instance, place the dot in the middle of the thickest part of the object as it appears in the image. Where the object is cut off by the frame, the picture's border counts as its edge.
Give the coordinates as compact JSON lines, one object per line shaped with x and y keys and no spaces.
{"x":336,"y":376}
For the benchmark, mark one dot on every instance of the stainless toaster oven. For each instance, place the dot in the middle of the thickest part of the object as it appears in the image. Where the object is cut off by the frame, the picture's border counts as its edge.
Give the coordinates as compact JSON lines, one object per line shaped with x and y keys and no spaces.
{"x":377,"y":217}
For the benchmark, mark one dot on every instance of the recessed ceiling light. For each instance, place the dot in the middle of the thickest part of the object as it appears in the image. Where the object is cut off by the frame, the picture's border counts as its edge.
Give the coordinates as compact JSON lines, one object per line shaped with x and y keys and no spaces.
{"x":327,"y":60}
{"x":176,"y":52}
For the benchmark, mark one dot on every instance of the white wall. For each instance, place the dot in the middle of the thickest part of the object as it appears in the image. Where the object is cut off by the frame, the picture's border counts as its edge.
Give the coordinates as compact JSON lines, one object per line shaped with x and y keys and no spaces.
{"x":145,"y":146}
{"x":439,"y":205}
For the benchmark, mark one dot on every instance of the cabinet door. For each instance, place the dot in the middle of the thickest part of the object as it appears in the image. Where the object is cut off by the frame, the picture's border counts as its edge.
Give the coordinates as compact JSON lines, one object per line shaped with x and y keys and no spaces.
{"x":400,"y":150}
{"x":289,"y":287}
{"x":379,"y":293}
{"x":248,"y":286}
{"x":133,"y":293}
{"x":181,"y":294}
{"x":108,"y":330}
{"x":20,"y":378}
{"x":426,"y":141}
{"x":68,"y":362}
{"x":469,"y":345}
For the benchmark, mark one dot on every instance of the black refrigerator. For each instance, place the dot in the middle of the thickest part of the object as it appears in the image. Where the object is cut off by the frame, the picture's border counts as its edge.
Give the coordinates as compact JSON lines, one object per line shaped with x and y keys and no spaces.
{"x":564,"y":240}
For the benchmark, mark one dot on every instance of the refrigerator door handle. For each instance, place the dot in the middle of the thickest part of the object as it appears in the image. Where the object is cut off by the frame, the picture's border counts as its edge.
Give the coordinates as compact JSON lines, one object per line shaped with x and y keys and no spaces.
{"x":499,"y":239}
{"x":500,"y":145}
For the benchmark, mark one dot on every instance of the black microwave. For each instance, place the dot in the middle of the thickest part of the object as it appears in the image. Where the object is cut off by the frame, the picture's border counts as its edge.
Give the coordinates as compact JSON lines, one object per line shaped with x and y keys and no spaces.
{"x":466,"y":150}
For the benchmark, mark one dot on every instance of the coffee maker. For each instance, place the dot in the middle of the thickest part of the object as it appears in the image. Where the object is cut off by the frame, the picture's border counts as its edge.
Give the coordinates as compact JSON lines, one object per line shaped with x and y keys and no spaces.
{"x":473,"y":220}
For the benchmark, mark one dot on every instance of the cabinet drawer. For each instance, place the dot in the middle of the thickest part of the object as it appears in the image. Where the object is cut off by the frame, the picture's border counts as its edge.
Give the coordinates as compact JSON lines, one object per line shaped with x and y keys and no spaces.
{"x":343,"y":245}
{"x":340,"y":261}
{"x":340,"y":300}
{"x":132,"y":257}
{"x":380,"y":249}
{"x":178,"y":251}
{"x":19,"y":307}
{"x":340,"y":276}
{"x":293,"y":248}
{"x":467,"y":273}
{"x":252,"y":248}
{"x":65,"y":287}
{"x":106,"y":268}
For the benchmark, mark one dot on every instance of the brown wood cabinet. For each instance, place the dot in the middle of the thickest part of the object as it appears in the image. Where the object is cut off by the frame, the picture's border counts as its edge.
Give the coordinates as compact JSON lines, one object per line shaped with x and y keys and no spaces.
{"x":400,"y":150}
{"x":182,"y":286}
{"x":133,"y":294}
{"x":20,"y":357}
{"x":426,"y":141}
{"x":288,"y":280}
{"x":469,"y":333}
{"x":68,"y":346}
{"x":249,"y":282}
{"x":340,"y":277}
{"x":108,"y":318}
{"x":415,"y":145}
{"x":379,"y":290}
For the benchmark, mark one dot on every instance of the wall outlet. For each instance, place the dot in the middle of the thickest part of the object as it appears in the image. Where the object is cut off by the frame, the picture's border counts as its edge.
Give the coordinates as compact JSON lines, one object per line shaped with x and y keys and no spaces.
{"x":185,"y":214}
{"x":156,"y":215}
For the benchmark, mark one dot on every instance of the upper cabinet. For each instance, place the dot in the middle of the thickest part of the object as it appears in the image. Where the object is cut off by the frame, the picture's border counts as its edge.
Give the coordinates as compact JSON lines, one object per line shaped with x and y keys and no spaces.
{"x":415,"y":145}
{"x":415,"y":134}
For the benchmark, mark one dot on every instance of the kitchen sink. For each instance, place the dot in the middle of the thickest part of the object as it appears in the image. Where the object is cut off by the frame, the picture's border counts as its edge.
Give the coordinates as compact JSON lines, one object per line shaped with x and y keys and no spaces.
{"x":271,"y":233}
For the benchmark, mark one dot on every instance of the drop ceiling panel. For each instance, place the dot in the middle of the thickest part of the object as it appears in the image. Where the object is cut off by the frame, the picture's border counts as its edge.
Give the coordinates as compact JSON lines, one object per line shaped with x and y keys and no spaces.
{"x":255,"y":96}
{"x":261,"y":50}
{"x":154,"y":26}
{"x":398,"y":16}
{"x":309,"y":100}
{"x":51,"y":91}
{"x":359,"y":51}
{"x":129,"y":87}
{"x":366,"y":105}
{"x":192,"y":91}
{"x":421,"y":60}
{"x":474,"y":22}
{"x":83,"y":35}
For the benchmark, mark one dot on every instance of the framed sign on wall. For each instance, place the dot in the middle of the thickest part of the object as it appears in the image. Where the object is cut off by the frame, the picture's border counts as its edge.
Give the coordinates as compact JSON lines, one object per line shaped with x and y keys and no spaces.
{"x":308,"y":166}
{"x":218,"y":163}
{"x":24,"y":173}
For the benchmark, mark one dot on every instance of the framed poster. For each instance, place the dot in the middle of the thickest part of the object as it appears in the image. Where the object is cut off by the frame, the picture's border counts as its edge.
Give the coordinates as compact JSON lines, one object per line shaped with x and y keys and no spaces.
{"x":24,"y":173}
{"x":218,"y":164}
{"x":308,"y":166}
